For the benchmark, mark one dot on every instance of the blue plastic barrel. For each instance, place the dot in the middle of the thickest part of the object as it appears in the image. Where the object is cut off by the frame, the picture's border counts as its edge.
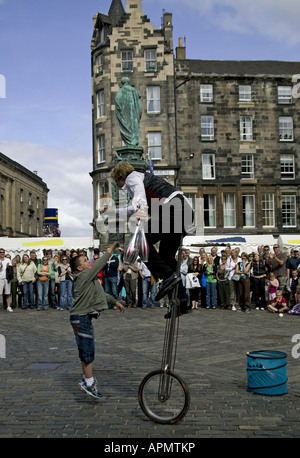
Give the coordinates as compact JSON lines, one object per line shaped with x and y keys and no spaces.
{"x":266,"y":372}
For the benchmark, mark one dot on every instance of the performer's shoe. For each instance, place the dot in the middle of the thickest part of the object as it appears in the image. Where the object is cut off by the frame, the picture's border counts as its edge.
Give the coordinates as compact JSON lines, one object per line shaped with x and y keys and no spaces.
{"x":167,"y":285}
{"x":181,"y":308}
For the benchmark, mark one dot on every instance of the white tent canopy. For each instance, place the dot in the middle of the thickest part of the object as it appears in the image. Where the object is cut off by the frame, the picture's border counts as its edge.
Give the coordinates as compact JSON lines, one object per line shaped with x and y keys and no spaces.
{"x":20,"y":246}
{"x":287,"y":242}
{"x":247,"y":243}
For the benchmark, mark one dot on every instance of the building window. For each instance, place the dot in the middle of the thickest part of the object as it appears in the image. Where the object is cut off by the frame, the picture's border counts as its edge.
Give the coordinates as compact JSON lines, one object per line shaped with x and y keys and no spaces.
{"x":99,"y":64}
{"x":208,"y":167}
{"x":207,"y":128}
{"x":101,"y":149}
{"x":287,"y":166}
{"x":289,"y":215}
{"x":248,"y":210}
{"x":284,"y":94}
{"x":286,"y":131}
{"x":209,"y":210}
{"x":154,"y":145}
{"x":3,"y":211}
{"x":21,"y":222}
{"x":191,"y":197}
{"x":153,"y":99}
{"x":244,"y":93}
{"x":206,"y":93}
{"x":21,"y":195}
{"x":229,"y":209}
{"x":268,"y":209}
{"x":100,"y":104}
{"x":247,"y":166}
{"x":246,"y":128}
{"x":102,"y":193}
{"x":150,"y":60}
{"x":127,"y":61}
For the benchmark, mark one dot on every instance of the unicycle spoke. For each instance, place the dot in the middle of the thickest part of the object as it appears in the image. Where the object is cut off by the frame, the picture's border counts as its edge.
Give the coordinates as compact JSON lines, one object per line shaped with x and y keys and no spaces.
{"x":164,"y":397}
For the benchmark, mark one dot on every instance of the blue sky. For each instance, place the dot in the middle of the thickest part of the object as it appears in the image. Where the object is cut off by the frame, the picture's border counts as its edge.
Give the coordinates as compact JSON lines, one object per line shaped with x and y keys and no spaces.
{"x":45,"y":118}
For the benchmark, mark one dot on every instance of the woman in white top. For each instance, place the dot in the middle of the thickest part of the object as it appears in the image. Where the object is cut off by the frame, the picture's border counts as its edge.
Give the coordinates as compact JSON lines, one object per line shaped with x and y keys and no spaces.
{"x":231,"y":264}
{"x":26,"y":278}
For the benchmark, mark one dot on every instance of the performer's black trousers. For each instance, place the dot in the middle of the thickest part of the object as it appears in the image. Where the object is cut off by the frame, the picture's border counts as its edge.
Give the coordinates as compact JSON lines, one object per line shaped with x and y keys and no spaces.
{"x":167,"y":226}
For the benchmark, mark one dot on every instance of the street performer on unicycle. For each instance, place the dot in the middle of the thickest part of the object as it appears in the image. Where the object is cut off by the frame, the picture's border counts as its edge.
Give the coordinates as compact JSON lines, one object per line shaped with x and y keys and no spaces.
{"x":170,"y":218}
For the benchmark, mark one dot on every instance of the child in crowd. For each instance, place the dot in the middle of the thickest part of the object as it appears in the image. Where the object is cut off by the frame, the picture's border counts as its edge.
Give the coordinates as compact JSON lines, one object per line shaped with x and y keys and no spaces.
{"x":89,"y":299}
{"x":292,"y":283}
{"x":296,"y":308}
{"x":279,"y":303}
{"x":273,"y":285}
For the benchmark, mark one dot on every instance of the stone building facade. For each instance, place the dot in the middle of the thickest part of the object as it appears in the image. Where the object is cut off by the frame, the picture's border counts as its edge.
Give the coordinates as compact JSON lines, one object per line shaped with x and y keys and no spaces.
{"x":127,"y":44}
{"x":23,"y":200}
{"x":225,"y":132}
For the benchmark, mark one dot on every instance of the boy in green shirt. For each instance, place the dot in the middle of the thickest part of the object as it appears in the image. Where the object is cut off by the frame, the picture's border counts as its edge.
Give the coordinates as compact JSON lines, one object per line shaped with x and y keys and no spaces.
{"x":89,"y":299}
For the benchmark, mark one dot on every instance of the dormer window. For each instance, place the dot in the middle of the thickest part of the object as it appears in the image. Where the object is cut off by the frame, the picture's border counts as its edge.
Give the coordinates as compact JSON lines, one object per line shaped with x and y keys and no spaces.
{"x":150,"y":60}
{"x":127,"y":61}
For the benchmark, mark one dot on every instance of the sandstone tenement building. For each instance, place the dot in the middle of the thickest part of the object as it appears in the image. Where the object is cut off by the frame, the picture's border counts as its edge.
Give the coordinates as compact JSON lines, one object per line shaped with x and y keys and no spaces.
{"x":23,"y":197}
{"x":224,"y":131}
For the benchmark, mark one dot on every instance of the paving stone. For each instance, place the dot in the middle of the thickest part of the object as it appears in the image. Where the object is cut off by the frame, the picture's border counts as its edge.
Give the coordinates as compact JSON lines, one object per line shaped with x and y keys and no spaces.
{"x":39,"y":396}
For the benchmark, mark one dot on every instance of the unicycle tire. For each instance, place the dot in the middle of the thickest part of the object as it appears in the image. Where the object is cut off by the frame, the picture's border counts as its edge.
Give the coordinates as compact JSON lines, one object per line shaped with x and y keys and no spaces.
{"x":173,"y":407}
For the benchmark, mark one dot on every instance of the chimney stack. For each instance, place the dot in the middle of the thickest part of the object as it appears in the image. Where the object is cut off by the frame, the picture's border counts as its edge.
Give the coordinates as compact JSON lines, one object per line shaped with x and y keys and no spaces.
{"x":180,"y":51}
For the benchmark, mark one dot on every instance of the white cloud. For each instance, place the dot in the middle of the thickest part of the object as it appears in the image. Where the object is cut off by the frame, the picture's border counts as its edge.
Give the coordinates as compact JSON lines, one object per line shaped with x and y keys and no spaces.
{"x":270,"y":18}
{"x":66,"y":173}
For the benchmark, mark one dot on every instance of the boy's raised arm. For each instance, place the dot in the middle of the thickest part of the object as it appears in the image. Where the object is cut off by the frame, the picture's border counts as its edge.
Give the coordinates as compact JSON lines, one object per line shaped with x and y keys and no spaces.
{"x":101,"y":262}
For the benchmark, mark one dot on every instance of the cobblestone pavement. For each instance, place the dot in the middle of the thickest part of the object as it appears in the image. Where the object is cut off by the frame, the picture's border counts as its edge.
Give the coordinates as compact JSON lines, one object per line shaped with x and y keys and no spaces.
{"x":40,"y":398}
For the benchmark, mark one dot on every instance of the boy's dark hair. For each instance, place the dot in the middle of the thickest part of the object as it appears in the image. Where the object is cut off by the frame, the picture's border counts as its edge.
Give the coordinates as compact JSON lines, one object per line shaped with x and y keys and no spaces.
{"x":74,"y":263}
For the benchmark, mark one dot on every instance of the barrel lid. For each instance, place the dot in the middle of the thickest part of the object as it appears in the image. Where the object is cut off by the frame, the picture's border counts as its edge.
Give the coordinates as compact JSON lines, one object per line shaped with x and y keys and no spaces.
{"x":267,"y":354}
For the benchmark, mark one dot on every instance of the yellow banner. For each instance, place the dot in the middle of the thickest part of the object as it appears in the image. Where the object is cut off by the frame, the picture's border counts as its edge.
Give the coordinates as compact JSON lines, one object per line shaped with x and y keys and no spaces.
{"x":50,"y":242}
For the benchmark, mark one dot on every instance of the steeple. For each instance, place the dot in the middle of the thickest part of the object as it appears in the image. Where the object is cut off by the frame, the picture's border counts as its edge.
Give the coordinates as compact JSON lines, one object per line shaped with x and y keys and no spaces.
{"x":116,"y":11}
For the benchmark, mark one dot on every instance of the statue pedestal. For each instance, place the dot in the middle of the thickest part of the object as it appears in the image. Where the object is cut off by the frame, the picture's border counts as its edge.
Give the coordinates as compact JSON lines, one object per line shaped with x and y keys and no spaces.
{"x":134,"y":155}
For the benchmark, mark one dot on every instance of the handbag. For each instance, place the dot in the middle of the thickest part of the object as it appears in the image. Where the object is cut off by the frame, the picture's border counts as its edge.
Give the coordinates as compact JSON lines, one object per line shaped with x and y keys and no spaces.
{"x":9,"y":273}
{"x":204,"y":280}
{"x":192,"y":281}
{"x":236,"y":277}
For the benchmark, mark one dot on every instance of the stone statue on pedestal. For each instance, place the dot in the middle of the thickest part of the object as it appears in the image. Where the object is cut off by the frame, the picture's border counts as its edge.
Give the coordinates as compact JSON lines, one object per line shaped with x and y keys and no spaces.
{"x":128,"y":113}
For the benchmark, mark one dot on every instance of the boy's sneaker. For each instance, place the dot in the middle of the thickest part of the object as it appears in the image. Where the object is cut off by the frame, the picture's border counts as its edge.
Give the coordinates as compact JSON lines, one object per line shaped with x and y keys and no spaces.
{"x":91,"y":390}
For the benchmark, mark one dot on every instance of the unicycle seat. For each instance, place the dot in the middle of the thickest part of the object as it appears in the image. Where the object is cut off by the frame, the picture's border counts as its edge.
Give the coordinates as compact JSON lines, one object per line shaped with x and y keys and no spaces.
{"x":167,"y":285}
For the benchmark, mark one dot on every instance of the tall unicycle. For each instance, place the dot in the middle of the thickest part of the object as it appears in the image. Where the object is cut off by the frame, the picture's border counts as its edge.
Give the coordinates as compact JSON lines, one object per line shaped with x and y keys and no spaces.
{"x":163,"y":395}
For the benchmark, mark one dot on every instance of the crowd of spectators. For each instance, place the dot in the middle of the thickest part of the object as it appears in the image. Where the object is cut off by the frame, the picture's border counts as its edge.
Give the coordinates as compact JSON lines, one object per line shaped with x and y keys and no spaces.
{"x":230,"y":279}
{"x":236,"y":280}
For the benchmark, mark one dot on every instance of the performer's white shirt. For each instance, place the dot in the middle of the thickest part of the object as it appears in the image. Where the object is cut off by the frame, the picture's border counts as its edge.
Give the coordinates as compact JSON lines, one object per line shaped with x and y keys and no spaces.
{"x":134,"y":186}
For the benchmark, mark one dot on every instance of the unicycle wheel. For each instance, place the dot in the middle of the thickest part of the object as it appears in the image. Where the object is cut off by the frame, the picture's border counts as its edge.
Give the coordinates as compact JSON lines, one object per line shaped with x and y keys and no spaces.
{"x":164,"y":397}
